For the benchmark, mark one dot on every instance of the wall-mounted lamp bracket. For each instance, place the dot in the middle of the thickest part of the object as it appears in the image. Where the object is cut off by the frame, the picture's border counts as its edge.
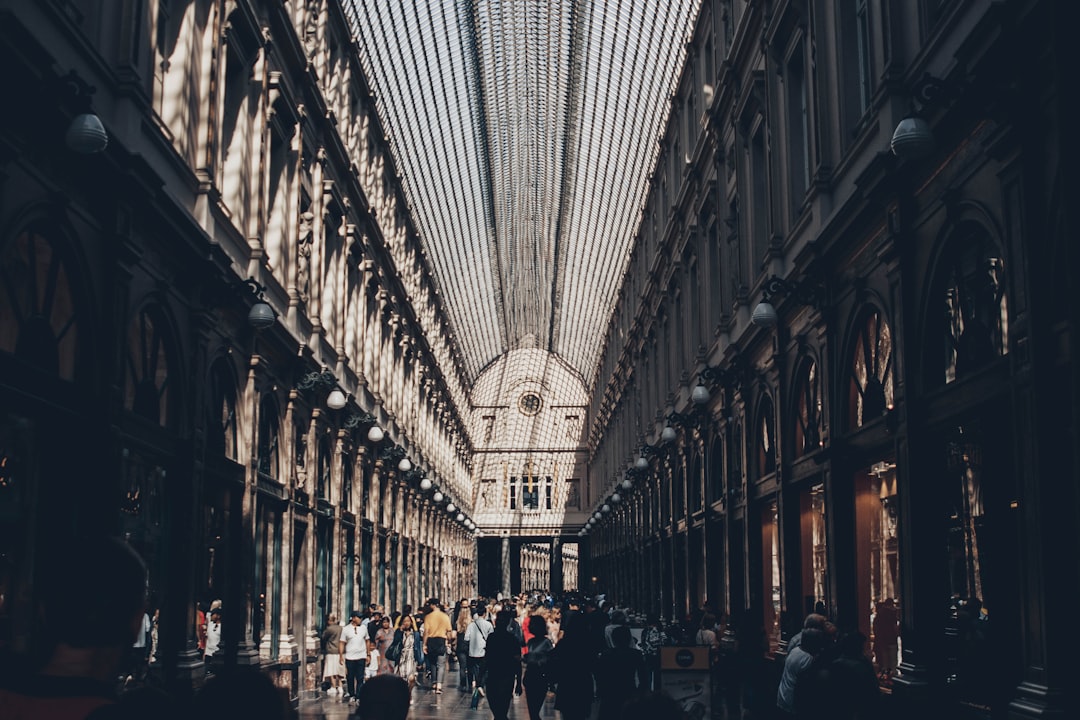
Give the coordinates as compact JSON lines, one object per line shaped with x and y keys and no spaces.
{"x":649,"y":451}
{"x":361,"y":420}
{"x":393,"y":454}
{"x":322,"y":379}
{"x":930,"y":91}
{"x":727,"y":377}
{"x":806,"y":292}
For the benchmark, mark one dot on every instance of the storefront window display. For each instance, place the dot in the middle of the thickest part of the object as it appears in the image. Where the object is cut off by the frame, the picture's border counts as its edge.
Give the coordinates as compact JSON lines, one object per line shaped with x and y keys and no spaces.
{"x":770,"y":573}
{"x":815,"y":573}
{"x":878,"y":563}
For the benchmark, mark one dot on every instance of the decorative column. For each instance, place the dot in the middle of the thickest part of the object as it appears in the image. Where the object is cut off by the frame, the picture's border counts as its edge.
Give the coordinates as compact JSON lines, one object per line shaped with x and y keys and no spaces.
{"x":246,"y":650}
{"x":375,"y":515}
{"x":505,"y":563}
{"x":555,"y":583}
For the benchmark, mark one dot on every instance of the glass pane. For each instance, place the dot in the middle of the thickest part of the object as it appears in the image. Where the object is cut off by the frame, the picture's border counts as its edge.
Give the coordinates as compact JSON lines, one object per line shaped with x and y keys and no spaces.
{"x":814,"y":549}
{"x":878,"y":563}
{"x":770,"y":563}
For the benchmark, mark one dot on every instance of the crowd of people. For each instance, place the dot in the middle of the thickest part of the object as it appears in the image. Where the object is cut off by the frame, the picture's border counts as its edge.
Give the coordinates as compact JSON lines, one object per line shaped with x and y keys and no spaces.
{"x":579,"y":653}
{"x":574,"y":651}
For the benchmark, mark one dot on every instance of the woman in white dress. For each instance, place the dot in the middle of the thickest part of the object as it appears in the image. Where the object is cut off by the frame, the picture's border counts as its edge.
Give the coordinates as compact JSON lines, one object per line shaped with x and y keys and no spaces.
{"x":412,"y":654}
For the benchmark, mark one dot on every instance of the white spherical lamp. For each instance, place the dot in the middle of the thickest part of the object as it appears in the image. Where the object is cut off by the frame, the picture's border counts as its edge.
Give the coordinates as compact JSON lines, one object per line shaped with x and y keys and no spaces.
{"x":764,"y":315}
{"x":86,"y":134}
{"x":912,"y":138}
{"x":699,"y":395}
{"x":336,"y":399}
{"x":375,"y":434}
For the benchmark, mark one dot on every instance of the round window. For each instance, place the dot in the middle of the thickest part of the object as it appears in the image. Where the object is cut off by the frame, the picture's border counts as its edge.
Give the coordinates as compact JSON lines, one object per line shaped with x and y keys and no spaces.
{"x":529,"y":404}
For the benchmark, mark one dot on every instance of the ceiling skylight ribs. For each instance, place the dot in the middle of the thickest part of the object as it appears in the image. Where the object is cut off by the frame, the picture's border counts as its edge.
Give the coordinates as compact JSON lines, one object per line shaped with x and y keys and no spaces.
{"x":525,"y":132}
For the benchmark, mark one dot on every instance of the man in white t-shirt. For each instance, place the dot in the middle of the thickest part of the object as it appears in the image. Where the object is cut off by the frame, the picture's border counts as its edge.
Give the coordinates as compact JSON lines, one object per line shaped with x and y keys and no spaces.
{"x":213,"y":635}
{"x":354,"y":650}
{"x":140,"y":651}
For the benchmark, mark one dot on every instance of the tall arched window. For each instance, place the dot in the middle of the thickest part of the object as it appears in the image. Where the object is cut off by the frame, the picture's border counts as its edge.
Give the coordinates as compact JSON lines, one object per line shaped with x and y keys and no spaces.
{"x":766,"y":438}
{"x":38,"y":318}
{"x":715,"y":481}
{"x":222,"y":437}
{"x":147,"y":365}
{"x":808,"y":409}
{"x":694,"y":480}
{"x":975,"y":306}
{"x":268,"y":437}
{"x":325,"y":463}
{"x":347,"y":480}
{"x":870,"y":392}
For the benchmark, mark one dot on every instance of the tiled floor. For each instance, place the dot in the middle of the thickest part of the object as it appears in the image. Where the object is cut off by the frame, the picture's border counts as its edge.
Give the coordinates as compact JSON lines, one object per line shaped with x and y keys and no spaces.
{"x":451,"y":705}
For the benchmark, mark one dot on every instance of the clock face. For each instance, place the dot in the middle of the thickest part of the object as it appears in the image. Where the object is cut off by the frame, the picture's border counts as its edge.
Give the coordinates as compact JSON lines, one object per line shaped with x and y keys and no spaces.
{"x":529,"y":404}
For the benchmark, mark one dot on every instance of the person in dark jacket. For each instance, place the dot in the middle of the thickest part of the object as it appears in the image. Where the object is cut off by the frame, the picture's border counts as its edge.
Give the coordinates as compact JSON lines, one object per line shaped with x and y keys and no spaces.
{"x":571,"y":667}
{"x":503,"y":665}
{"x":840,"y":683}
{"x":536,"y":679}
{"x":620,"y":672}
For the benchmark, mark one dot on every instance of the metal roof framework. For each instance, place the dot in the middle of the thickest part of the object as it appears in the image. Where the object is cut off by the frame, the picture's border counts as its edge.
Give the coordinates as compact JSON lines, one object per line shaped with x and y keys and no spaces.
{"x":526,"y":133}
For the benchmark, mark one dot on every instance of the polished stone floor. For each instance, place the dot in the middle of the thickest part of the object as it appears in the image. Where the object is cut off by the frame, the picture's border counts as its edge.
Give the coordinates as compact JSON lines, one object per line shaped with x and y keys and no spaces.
{"x":451,"y":705}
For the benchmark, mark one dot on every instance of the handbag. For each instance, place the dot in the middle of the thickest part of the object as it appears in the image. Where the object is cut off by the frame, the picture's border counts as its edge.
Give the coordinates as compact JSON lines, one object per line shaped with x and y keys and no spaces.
{"x":393,"y":653}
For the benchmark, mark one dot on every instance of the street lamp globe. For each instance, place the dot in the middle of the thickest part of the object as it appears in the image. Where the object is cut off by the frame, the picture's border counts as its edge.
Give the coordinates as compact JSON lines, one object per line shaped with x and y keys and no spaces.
{"x":764,"y":315}
{"x":375,"y":434}
{"x":336,"y":399}
{"x":699,"y":395}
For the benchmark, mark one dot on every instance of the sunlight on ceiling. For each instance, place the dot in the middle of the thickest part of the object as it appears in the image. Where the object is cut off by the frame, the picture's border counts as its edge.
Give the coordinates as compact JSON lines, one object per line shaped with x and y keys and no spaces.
{"x":526,"y":134}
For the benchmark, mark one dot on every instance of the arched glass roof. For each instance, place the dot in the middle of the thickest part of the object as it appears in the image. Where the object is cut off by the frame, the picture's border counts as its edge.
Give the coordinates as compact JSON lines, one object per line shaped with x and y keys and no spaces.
{"x":526,"y":133}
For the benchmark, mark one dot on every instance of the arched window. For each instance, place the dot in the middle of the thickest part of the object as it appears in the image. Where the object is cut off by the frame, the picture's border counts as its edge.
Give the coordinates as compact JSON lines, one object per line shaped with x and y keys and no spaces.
{"x":38,"y":318}
{"x":870,"y":392}
{"x":299,"y":446}
{"x":976,"y":311}
{"x":808,"y":410}
{"x":735,"y":458}
{"x":766,"y":438}
{"x":325,"y":463}
{"x":678,"y":477}
{"x":268,"y":437}
{"x":694,"y":480}
{"x":222,"y":437}
{"x":347,"y":480}
{"x":716,"y":469}
{"x":146,"y":386}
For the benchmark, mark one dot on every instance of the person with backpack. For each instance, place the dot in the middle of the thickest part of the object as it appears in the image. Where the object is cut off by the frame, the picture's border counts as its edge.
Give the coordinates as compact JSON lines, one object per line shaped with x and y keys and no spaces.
{"x":476,"y":636}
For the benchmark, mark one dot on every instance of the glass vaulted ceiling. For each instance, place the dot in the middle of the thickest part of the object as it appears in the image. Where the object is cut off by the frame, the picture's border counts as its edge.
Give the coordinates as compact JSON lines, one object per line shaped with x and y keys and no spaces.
{"x":526,"y":133}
